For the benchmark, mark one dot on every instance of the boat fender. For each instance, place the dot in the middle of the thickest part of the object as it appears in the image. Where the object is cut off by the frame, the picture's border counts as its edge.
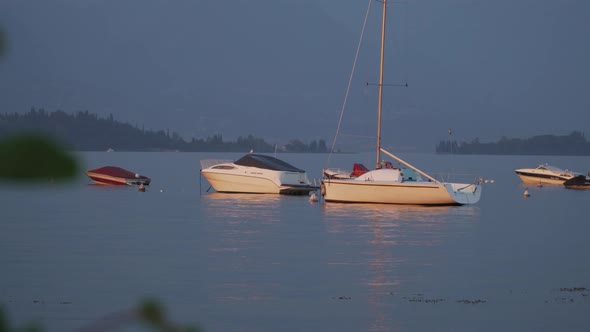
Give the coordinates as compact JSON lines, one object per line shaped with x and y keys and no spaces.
{"x":323,"y":189}
{"x":313,"y":197}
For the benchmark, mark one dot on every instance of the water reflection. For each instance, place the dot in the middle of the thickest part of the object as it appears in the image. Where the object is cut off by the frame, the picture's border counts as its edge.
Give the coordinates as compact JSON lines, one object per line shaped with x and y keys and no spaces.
{"x":259,"y":207}
{"x":395,"y":243}
{"x":412,"y":213}
{"x":240,"y":230}
{"x":399,"y":224}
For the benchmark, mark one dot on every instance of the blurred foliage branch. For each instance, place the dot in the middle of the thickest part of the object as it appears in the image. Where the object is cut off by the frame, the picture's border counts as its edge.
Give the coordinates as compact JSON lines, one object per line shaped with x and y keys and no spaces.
{"x":2,"y":42}
{"x":31,"y":157}
{"x":148,"y":312}
{"x":34,"y":158}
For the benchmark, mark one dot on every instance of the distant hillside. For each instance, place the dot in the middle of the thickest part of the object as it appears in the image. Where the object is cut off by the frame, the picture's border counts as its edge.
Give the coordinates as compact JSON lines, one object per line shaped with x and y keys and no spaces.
{"x":574,"y":144}
{"x":201,"y":67}
{"x":85,"y":131}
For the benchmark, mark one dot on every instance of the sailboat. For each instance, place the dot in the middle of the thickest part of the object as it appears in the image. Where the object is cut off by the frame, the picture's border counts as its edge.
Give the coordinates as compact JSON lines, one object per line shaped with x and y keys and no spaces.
{"x":396,"y":185}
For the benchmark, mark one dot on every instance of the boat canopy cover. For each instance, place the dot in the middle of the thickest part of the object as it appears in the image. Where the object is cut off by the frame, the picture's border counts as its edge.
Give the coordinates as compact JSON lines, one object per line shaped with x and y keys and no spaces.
{"x":579,"y":181}
{"x":382,"y":174}
{"x":266,"y":162}
{"x":358,"y":170}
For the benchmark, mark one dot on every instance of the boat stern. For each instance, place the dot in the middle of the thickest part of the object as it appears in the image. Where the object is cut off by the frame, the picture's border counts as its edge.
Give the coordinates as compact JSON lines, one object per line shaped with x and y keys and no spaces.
{"x":464,"y":193}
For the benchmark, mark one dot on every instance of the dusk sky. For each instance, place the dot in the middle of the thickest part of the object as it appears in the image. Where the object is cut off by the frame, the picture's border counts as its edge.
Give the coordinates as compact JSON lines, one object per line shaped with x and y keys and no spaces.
{"x":278,"y":69}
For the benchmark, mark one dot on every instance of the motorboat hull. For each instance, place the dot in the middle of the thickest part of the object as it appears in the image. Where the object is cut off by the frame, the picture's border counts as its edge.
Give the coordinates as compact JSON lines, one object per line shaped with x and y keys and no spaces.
{"x":409,"y":193}
{"x":256,"y":174}
{"x":535,"y":179}
{"x":544,"y":174}
{"x":252,"y":183}
{"x":110,"y":175}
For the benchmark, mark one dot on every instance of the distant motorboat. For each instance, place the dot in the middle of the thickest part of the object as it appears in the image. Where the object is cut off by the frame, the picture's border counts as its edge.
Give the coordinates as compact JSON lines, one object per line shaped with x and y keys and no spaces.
{"x":256,"y":174}
{"x":544,"y":174}
{"x":112,"y":175}
{"x":578,"y":182}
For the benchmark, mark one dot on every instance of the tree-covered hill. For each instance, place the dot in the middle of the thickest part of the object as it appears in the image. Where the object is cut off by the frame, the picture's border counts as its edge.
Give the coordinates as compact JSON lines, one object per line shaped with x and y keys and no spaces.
{"x":85,"y":131}
{"x":574,"y":144}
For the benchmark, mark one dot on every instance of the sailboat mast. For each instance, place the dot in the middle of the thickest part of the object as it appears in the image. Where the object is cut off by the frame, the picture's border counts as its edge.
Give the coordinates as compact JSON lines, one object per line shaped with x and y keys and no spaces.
{"x":380,"y":100}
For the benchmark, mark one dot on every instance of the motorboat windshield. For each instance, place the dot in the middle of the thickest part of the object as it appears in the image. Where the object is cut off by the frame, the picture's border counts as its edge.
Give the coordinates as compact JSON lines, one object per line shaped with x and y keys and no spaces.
{"x":266,"y":162}
{"x":550,"y":168}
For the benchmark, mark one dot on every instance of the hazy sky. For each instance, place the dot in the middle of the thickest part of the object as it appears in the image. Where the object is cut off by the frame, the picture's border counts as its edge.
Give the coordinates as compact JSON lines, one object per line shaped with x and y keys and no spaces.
{"x":278,"y":69}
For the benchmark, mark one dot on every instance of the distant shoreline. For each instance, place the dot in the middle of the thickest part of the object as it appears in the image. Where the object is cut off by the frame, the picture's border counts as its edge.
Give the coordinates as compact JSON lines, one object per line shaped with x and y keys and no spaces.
{"x":574,"y":144}
{"x":84,"y":131}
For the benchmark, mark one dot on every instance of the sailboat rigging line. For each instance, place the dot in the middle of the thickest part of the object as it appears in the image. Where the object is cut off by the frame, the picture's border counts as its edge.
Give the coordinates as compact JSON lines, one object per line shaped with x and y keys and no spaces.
{"x":358,"y":47}
{"x":408,"y":164}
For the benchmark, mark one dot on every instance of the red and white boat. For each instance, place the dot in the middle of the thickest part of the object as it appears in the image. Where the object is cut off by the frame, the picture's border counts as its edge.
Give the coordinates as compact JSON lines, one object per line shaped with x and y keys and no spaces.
{"x":111,"y":175}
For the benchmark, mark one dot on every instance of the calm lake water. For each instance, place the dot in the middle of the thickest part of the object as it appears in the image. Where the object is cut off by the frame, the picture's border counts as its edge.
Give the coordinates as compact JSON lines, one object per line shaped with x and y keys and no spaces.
{"x":72,"y":254}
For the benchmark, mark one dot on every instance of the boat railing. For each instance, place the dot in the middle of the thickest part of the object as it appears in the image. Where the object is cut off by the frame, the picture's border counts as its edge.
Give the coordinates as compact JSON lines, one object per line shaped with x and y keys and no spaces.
{"x":316,"y":182}
{"x":456,"y":177}
{"x":206,"y":163}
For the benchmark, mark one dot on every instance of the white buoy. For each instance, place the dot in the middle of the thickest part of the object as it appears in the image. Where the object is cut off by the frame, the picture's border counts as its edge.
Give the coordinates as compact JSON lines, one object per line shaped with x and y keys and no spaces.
{"x":313,"y":197}
{"x":526,"y":193}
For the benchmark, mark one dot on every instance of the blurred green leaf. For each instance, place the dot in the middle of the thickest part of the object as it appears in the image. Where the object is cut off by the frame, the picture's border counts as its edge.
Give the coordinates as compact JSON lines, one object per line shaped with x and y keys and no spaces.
{"x":35,"y":158}
{"x":5,"y":326}
{"x":150,"y":311}
{"x":3,"y":322}
{"x":2,"y":42}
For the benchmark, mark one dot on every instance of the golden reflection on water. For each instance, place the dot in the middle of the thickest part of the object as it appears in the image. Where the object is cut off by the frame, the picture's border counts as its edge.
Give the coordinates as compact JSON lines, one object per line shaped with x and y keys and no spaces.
{"x":399,"y":224}
{"x":398,"y":212}
{"x":240,"y":228}
{"x":384,"y":229}
{"x":261,"y":207}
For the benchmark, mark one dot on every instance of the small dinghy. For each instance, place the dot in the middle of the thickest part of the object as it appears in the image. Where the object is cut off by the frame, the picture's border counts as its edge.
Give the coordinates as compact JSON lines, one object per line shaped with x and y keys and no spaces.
{"x":578,"y":182}
{"x":111,"y":175}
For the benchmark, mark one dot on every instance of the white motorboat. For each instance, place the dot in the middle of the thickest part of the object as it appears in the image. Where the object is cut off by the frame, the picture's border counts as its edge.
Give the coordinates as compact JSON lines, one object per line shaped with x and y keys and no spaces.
{"x":544,"y":174}
{"x":256,"y":174}
{"x":395,"y":185}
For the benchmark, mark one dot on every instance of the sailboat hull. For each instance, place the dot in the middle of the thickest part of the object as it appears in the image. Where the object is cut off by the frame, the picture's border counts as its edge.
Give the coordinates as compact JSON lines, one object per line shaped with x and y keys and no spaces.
{"x":410,"y":193}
